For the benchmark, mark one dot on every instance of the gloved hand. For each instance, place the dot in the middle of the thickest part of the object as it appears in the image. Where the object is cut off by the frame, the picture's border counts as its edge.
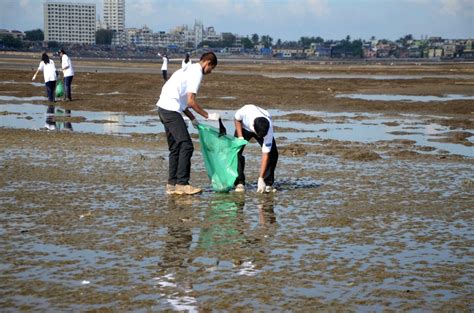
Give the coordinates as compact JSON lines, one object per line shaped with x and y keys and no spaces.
{"x":195,"y":123}
{"x":261,"y":185}
{"x":34,"y":77}
{"x":213,"y":117}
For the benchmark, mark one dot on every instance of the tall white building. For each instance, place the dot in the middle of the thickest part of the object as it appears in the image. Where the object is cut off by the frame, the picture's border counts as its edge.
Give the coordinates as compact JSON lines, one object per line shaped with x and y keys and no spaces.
{"x":71,"y":22}
{"x":114,"y":18}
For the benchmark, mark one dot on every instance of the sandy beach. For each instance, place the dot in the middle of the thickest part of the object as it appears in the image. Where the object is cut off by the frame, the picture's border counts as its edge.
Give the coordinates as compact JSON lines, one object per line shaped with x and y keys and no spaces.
{"x":377,"y":220}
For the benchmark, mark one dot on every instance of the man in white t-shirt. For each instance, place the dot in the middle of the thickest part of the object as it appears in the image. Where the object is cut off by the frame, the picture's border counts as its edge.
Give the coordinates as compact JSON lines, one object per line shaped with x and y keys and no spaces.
{"x":68,"y":73}
{"x":178,"y":96}
{"x":164,"y":67}
{"x":252,"y":121}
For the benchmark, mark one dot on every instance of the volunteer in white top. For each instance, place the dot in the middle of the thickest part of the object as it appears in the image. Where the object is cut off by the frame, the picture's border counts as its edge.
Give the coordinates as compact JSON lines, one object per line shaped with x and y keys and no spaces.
{"x":49,"y":71}
{"x":252,"y":121}
{"x":186,"y":61}
{"x":164,"y":67}
{"x":178,"y":96}
{"x":68,"y":73}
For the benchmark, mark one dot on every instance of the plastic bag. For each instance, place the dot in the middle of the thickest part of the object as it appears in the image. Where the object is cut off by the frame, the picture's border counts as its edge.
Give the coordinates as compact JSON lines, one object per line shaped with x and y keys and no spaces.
{"x":59,"y":89}
{"x":220,"y":156}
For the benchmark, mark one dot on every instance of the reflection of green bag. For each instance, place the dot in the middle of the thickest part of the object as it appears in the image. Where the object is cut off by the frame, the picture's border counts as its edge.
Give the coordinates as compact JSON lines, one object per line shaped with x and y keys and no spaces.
{"x":59,"y":89}
{"x":220,"y":156}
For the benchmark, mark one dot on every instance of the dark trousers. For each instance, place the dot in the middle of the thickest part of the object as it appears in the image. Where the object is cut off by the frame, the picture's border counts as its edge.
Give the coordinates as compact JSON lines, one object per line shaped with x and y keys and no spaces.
{"x":67,"y":87}
{"x":180,"y":146}
{"x":51,"y":90}
{"x":165,"y":74}
{"x":269,"y":176}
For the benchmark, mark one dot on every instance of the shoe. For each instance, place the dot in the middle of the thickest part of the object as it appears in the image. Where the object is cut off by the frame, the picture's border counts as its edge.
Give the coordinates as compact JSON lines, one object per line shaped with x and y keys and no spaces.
{"x":187,"y":190}
{"x":170,"y":189}
{"x":240,"y":188}
{"x":270,"y":189}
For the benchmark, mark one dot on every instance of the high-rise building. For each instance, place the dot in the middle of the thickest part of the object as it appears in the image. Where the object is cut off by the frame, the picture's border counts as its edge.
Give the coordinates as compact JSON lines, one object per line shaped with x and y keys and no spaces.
{"x":69,"y":22}
{"x":114,"y":18}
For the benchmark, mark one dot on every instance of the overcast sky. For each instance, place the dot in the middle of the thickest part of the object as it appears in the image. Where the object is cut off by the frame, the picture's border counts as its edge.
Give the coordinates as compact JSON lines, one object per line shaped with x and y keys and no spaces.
{"x":281,"y":19}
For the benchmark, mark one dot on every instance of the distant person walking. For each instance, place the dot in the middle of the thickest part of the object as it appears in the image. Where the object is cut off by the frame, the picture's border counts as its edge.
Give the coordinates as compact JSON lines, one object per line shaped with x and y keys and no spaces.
{"x":164,"y":67}
{"x":186,"y":61}
{"x":68,"y":73}
{"x":178,"y":96}
{"x":49,"y":71}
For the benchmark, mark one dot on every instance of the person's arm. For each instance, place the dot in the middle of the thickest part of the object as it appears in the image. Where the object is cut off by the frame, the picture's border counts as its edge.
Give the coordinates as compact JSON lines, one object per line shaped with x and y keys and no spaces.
{"x":195,"y":106}
{"x":65,"y":64}
{"x":37,"y":71}
{"x":263,"y":166}
{"x":189,"y":114}
{"x":238,"y":129}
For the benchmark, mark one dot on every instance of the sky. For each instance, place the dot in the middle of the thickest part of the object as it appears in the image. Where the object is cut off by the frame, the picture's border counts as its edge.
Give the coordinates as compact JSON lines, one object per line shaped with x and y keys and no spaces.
{"x":281,"y":19}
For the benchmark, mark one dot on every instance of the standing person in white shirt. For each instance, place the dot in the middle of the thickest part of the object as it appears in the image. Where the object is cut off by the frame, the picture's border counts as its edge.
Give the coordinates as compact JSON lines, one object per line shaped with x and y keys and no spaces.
{"x":252,"y":121}
{"x":49,"y":71}
{"x":186,"y":61}
{"x":164,"y":67}
{"x":178,"y":96}
{"x":68,"y":73}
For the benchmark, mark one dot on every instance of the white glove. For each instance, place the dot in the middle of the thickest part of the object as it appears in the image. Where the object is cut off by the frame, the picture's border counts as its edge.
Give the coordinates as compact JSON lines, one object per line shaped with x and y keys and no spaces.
{"x":34,"y":77}
{"x":195,"y":123}
{"x":241,"y":138}
{"x":213,"y":117}
{"x":261,"y":185}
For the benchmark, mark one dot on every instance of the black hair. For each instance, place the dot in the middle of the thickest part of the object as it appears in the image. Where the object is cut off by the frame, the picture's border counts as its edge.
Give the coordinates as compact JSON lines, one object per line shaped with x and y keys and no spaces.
{"x":209,"y":56}
{"x":45,"y":58}
{"x":261,"y":126}
{"x":186,"y":58}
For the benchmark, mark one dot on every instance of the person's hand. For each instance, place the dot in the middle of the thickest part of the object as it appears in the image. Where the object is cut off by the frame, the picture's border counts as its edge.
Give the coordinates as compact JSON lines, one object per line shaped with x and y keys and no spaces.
{"x":195,"y":123}
{"x":213,"y":117}
{"x":34,"y":77}
{"x":261,"y":185}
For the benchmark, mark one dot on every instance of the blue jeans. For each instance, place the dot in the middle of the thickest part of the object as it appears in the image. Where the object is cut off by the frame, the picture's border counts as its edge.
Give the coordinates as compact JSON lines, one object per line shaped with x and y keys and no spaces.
{"x":51,"y":90}
{"x":67,"y":87}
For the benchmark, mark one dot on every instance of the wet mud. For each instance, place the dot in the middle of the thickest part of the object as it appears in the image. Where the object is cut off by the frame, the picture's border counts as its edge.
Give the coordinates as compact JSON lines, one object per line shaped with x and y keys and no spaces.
{"x":354,"y":226}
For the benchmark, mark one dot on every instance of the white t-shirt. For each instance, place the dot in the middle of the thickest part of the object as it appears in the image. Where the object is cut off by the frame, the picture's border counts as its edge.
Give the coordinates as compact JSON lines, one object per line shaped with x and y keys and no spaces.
{"x":184,"y":64}
{"x":49,"y":71}
{"x":66,"y":61}
{"x":164,"y":67}
{"x":247,"y":115}
{"x":174,"y":95}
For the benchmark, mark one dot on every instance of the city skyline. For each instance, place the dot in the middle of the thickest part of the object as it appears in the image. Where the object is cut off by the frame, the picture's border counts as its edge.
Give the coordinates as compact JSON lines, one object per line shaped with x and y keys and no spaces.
{"x":281,"y":19}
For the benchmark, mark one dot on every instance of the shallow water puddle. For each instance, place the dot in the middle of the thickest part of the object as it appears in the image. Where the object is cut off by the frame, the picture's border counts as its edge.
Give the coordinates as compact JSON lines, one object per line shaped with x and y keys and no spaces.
{"x":366,"y":128}
{"x":405,"y":98}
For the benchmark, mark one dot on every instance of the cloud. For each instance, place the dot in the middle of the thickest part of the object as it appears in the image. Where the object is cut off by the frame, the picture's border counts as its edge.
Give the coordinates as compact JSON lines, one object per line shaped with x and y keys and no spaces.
{"x":454,"y":7}
{"x":308,"y":7}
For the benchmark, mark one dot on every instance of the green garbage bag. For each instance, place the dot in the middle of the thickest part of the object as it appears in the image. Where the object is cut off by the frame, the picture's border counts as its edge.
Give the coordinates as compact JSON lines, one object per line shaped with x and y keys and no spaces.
{"x":220,"y":156}
{"x":59,"y":89}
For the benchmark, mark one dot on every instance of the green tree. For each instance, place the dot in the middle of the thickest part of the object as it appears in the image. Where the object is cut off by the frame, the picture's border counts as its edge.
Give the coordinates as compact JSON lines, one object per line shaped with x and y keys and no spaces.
{"x":278,"y":43}
{"x":255,"y":39}
{"x":267,"y":41}
{"x":53,"y":45}
{"x":247,"y":43}
{"x":34,"y":35}
{"x":228,"y":39}
{"x":104,"y":36}
{"x":11,"y":42}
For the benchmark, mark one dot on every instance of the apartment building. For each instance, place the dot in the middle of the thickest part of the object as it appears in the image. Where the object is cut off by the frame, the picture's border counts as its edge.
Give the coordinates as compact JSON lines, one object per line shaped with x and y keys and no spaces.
{"x":69,"y":22}
{"x":114,"y":19}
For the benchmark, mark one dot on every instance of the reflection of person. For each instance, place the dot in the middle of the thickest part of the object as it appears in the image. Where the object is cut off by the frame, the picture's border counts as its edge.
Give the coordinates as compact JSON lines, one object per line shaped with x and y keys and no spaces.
{"x":254,"y":122}
{"x":164,"y":67}
{"x":186,"y":61}
{"x":178,"y":96}
{"x":68,"y":73}
{"x":49,"y":72}
{"x":52,"y":123}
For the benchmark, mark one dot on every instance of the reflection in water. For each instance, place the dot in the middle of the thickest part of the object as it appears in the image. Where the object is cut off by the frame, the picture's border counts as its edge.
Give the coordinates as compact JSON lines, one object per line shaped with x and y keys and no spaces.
{"x":54,"y":120}
{"x":226,"y":241}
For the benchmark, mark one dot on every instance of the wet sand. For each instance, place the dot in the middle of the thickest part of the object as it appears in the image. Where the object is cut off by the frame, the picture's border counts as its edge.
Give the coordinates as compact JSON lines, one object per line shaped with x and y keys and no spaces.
{"x":86,"y":224}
